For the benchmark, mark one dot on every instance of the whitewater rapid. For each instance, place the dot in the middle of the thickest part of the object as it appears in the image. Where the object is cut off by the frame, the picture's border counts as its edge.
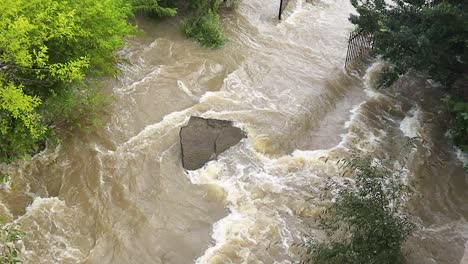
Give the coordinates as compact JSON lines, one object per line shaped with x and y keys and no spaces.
{"x":120,"y":195}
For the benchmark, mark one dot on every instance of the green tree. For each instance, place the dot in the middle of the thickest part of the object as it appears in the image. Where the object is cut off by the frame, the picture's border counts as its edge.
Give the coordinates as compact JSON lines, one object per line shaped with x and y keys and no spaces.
{"x":414,"y":34}
{"x":20,"y":126}
{"x":47,"y":47}
{"x":61,"y":40}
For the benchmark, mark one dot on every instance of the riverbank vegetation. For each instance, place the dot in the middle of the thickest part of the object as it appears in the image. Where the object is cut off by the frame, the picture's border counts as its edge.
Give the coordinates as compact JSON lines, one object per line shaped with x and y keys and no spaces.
{"x":10,"y":239}
{"x":428,"y":37}
{"x":203,"y":22}
{"x":366,"y":223}
{"x":203,"y":25}
{"x":153,"y":8}
{"x":50,"y":52}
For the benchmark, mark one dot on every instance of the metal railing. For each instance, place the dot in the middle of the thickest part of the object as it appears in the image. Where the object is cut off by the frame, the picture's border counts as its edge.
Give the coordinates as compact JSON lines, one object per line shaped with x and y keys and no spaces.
{"x":360,"y":44}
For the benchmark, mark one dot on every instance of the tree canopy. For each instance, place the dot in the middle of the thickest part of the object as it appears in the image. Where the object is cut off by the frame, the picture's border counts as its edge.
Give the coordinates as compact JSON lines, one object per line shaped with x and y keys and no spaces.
{"x":48,"y":47}
{"x":430,"y":37}
{"x":415,"y":34}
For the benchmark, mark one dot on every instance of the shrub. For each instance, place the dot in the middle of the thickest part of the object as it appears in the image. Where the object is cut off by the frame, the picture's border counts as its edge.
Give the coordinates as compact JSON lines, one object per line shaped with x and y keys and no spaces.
{"x":10,"y":235}
{"x":153,"y":8}
{"x":459,"y":129}
{"x":205,"y":29}
{"x":366,"y":223}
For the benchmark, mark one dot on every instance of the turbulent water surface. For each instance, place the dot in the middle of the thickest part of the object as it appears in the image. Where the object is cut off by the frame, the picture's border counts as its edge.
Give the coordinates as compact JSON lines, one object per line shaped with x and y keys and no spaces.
{"x":120,"y":195}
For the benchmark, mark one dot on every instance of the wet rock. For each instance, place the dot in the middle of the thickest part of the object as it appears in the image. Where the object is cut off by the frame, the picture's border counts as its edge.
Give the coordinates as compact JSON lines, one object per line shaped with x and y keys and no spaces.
{"x":203,"y":140}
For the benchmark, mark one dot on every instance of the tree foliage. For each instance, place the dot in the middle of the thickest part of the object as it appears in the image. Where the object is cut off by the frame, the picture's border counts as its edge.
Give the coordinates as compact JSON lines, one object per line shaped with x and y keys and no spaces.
{"x":205,"y":29}
{"x":153,"y":8}
{"x":47,"y":47}
{"x":459,"y":131}
{"x":203,"y":24}
{"x":20,"y":124}
{"x":202,"y":21}
{"x":415,"y":34}
{"x":60,"y":40}
{"x":366,"y":224}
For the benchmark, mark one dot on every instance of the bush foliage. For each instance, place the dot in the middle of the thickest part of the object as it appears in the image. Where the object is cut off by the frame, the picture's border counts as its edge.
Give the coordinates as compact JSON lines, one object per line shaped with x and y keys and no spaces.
{"x":429,"y":36}
{"x":47,"y":47}
{"x":366,"y":224}
{"x":153,"y":8}
{"x":10,"y":235}
{"x":459,"y":131}
{"x":205,"y":29}
{"x":203,"y":23}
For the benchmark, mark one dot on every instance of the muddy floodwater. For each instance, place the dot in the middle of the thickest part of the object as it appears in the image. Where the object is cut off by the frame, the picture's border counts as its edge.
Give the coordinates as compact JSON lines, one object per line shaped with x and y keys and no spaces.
{"x":119,"y":194}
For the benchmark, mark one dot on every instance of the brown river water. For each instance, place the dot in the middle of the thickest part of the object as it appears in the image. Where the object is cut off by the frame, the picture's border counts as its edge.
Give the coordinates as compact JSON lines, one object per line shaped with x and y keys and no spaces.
{"x":120,"y":195}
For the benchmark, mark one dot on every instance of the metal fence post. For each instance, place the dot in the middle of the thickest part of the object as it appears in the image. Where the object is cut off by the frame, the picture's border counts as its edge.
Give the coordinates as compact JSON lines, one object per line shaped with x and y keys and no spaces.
{"x":280,"y":9}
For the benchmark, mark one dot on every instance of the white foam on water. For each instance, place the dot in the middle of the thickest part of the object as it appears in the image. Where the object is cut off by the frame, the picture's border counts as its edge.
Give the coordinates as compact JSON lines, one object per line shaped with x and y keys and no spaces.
{"x":40,"y":203}
{"x":185,"y":89}
{"x":101,"y":152}
{"x":265,"y":197}
{"x":56,"y":242}
{"x":371,"y":78}
{"x":411,"y":124}
{"x":368,"y":139}
{"x":154,"y":131}
{"x":451,"y":232}
{"x":462,"y":156}
{"x":123,"y":90}
{"x":355,"y":114}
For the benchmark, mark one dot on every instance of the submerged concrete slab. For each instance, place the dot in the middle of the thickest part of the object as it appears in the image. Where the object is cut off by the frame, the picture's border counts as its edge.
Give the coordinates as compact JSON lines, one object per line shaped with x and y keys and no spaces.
{"x":203,"y":140}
